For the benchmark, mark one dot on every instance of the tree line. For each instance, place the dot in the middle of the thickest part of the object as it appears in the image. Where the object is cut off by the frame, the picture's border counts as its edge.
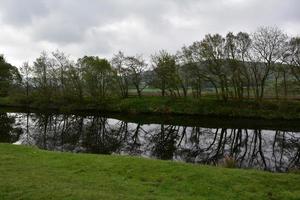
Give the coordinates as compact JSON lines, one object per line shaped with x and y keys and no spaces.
{"x":239,"y":66}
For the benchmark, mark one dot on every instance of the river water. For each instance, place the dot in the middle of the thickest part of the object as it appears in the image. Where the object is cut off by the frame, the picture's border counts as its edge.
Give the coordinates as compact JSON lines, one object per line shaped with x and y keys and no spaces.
{"x":210,"y":142}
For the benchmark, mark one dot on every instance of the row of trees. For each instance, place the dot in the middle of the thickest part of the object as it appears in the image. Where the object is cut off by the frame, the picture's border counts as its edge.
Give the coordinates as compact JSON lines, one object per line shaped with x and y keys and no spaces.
{"x":240,"y":65}
{"x":56,"y":77}
{"x":237,"y":66}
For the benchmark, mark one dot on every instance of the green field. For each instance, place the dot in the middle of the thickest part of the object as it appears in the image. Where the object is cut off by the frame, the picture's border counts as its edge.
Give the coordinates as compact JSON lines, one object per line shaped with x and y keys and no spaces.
{"x":206,"y":106}
{"x":29,"y":173}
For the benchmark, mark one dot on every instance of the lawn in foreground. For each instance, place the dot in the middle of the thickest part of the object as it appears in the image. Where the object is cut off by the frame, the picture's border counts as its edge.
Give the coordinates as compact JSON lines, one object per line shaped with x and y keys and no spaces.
{"x":30,"y":173}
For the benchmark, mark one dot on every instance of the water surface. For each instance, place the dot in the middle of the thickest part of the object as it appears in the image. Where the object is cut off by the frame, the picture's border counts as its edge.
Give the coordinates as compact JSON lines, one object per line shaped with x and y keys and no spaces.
{"x":252,"y":145}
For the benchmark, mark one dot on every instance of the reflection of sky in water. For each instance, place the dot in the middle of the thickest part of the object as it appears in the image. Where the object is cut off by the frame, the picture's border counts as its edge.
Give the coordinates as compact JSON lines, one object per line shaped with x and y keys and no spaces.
{"x":264,"y":149}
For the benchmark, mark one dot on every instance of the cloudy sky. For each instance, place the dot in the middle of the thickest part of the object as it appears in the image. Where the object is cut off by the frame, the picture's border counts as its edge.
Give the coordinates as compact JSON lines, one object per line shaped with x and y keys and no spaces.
{"x":103,"y":27}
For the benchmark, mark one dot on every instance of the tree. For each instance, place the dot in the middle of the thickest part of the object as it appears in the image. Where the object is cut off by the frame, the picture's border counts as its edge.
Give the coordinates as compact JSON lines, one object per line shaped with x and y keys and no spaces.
{"x":98,"y":76}
{"x":136,"y":66}
{"x":183,"y":75}
{"x":42,"y":80}
{"x":9,"y":77}
{"x":61,"y":64}
{"x":25,"y":72}
{"x":212,"y":52}
{"x":74,"y":81}
{"x":189,"y":71}
{"x":236,"y":50}
{"x":122,"y":73}
{"x":233,"y":65}
{"x":293,"y":57}
{"x":243,"y":44}
{"x":8,"y":132}
{"x":268,"y":46}
{"x":164,"y":67}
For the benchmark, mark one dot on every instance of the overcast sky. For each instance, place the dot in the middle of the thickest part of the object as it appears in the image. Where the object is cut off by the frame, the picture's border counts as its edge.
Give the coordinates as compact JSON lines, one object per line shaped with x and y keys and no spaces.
{"x":98,"y":27}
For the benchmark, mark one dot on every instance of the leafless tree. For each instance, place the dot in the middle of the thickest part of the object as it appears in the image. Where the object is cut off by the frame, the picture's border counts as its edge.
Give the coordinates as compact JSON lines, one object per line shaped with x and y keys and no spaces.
{"x":136,"y":66}
{"x":267,"y":49}
{"x":123,"y":77}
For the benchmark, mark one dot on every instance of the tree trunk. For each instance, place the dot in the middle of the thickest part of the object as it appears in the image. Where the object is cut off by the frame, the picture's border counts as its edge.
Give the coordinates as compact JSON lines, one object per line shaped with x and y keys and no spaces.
{"x":184,"y":89}
{"x":276,"y":87}
{"x":216,"y":89}
{"x":139,"y":92}
{"x":285,"y":84}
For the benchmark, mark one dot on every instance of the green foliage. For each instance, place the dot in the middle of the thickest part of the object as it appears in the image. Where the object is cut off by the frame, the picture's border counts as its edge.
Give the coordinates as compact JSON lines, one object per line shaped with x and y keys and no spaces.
{"x":6,"y":128}
{"x":98,"y":76}
{"x":9,"y":77}
{"x":165,"y":72}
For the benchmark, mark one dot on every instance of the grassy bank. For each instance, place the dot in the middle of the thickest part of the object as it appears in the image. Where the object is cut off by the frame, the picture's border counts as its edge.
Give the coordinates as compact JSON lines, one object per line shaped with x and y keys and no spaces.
{"x":267,"y":109}
{"x":29,"y":173}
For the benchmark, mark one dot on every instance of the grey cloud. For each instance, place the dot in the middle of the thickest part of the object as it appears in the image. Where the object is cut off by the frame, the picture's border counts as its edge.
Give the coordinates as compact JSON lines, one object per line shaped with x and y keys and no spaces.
{"x":21,"y":13}
{"x":103,"y":27}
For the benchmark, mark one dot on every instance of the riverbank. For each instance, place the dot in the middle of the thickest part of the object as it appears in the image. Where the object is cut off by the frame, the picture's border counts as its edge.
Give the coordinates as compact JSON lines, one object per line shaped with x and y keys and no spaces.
{"x":30,"y":173}
{"x":267,"y":109}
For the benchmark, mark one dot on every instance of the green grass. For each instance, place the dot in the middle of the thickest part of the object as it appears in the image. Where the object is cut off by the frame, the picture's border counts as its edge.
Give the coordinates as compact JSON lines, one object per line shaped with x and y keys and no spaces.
{"x":29,"y":173}
{"x":267,"y":109}
{"x":207,"y":106}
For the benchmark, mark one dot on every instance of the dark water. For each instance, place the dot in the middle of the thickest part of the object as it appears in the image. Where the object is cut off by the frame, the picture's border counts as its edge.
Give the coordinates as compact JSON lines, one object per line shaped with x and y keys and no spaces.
{"x":272,"y":149}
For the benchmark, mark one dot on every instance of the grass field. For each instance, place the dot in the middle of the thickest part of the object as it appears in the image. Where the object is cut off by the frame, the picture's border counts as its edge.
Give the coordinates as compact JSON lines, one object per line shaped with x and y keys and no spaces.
{"x":210,"y":92}
{"x":29,"y":173}
{"x":206,"y":106}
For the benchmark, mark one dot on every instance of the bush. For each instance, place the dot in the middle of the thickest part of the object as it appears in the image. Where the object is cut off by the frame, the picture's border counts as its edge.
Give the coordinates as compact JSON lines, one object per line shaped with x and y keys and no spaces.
{"x":229,"y":162}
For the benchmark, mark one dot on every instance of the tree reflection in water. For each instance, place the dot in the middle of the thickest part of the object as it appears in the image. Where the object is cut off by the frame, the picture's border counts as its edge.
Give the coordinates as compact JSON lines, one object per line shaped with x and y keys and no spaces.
{"x":249,"y":148}
{"x":8,"y":133}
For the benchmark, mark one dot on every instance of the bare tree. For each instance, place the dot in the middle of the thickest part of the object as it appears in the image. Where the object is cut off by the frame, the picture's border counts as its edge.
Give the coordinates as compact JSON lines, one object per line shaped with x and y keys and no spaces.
{"x":243,"y":44}
{"x":42,"y":81}
{"x":61,"y":63}
{"x":25,"y":71}
{"x":293,"y":57}
{"x":212,"y":51}
{"x":122,"y":72}
{"x":268,"y":45}
{"x":137,"y":66}
{"x":233,"y":64}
